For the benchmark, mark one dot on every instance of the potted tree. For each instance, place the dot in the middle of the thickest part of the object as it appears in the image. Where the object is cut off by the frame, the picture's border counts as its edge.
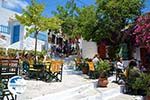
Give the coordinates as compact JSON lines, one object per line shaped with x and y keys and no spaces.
{"x":142,"y":83}
{"x":102,"y":68}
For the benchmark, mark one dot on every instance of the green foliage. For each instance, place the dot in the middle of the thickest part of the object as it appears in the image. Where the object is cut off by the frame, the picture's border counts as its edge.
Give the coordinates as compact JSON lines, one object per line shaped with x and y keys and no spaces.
{"x":114,"y":15}
{"x":68,"y":15}
{"x":142,"y":82}
{"x":2,"y":51}
{"x":32,"y":17}
{"x":102,"y":66}
{"x":87,"y":22}
{"x":84,"y":62}
{"x":78,"y":21}
{"x":1,"y":87}
{"x":105,"y":20}
{"x":35,"y":22}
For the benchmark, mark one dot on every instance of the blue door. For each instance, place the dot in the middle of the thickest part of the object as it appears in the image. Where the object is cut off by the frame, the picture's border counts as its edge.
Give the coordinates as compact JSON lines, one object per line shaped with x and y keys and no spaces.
{"x":16,"y":33}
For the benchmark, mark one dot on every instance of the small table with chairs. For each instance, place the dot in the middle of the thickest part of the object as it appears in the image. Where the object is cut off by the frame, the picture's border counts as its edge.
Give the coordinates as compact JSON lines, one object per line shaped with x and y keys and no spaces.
{"x":8,"y":69}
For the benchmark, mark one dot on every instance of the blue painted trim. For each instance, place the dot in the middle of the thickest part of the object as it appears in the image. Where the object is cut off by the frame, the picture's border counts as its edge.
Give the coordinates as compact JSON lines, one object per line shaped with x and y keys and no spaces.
{"x":4,"y":29}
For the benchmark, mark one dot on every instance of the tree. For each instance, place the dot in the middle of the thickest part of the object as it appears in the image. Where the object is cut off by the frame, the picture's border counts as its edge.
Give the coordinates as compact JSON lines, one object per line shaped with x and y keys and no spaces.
{"x":87,"y":23}
{"x":142,"y":30}
{"x":35,"y":22}
{"x":103,"y":21}
{"x":114,"y":16}
{"x":77,"y":21}
{"x":68,"y":15}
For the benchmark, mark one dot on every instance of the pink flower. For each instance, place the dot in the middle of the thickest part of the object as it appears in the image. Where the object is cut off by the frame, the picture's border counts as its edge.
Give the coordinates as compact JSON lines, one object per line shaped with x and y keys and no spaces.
{"x":142,"y":30}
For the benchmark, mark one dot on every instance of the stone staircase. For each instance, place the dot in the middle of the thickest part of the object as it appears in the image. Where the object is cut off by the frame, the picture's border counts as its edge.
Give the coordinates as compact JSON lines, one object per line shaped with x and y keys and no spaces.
{"x":84,"y":92}
{"x":126,"y":97}
{"x":87,"y":91}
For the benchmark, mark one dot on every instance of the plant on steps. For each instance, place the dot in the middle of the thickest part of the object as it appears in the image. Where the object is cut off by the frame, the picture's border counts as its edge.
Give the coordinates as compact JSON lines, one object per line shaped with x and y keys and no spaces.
{"x":102,"y":67}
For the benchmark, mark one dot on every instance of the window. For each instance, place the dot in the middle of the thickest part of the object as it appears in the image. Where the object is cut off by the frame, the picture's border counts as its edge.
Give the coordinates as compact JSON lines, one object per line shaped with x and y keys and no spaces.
{"x":4,"y":29}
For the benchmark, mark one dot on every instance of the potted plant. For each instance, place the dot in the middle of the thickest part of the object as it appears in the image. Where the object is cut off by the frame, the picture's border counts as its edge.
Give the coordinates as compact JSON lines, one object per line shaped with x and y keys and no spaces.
{"x":77,"y":63}
{"x":142,"y":83}
{"x":84,"y":66}
{"x":102,"y":68}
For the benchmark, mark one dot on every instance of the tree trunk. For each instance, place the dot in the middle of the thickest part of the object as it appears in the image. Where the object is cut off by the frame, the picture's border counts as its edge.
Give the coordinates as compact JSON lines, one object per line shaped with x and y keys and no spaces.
{"x":78,"y":48}
{"x":35,"y":51}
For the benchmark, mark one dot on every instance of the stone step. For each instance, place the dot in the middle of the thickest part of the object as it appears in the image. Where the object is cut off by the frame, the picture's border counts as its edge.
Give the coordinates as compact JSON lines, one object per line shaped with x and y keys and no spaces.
{"x":88,"y":94}
{"x":98,"y":93}
{"x":65,"y":94}
{"x":109,"y":93}
{"x":85,"y":92}
{"x":71,"y":72}
{"x":126,"y":97}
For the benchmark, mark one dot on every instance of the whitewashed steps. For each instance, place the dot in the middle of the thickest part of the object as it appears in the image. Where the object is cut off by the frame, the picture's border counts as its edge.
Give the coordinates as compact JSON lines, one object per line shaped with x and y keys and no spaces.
{"x":98,"y":93}
{"x":126,"y":97}
{"x":64,"y":94}
{"x":84,"y":92}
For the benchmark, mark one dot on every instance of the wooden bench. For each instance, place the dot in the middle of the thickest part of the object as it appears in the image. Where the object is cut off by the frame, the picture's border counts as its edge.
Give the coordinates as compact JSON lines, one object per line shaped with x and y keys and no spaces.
{"x":8,"y":69}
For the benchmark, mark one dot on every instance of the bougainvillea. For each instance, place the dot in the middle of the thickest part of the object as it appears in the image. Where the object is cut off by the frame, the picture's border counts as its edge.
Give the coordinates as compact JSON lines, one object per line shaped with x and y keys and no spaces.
{"x":142,"y":30}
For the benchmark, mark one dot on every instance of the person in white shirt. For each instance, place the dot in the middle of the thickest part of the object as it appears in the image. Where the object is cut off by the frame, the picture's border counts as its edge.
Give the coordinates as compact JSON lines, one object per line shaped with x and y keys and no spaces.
{"x":120,"y":64}
{"x":96,"y":59}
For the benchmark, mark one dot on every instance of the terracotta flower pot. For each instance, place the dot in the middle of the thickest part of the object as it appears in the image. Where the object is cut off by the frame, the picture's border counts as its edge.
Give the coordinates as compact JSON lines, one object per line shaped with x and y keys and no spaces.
{"x":102,"y":82}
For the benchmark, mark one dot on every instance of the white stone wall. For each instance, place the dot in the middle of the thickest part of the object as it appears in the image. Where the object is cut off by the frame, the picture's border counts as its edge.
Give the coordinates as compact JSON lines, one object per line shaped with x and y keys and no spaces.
{"x":5,"y":14}
{"x":89,"y":49}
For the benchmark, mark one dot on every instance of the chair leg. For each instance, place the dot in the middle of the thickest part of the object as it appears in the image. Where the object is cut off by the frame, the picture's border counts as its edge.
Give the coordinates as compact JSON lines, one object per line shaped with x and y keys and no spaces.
{"x":7,"y":97}
{"x":61,"y":76}
{"x":15,"y":97}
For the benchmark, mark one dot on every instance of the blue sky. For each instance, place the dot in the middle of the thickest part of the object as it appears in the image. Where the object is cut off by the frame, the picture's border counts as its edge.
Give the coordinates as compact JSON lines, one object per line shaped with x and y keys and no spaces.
{"x":51,"y":5}
{"x":147,"y":6}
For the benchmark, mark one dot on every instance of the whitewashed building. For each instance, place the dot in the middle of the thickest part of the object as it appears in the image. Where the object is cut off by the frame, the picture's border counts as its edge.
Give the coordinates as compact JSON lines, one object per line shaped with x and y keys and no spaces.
{"x":12,"y":33}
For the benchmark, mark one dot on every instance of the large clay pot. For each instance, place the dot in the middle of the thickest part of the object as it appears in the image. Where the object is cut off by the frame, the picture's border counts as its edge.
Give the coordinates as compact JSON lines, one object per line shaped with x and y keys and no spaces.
{"x":102,"y":82}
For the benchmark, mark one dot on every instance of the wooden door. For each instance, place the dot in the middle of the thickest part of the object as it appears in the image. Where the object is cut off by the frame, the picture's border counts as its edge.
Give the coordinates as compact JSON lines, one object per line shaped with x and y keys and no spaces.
{"x":102,"y":50}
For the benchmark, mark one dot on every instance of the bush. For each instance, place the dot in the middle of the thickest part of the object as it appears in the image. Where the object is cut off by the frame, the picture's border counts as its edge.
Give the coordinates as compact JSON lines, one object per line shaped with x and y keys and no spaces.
{"x":102,"y":66}
{"x":142,"y":83}
{"x":2,"y":52}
